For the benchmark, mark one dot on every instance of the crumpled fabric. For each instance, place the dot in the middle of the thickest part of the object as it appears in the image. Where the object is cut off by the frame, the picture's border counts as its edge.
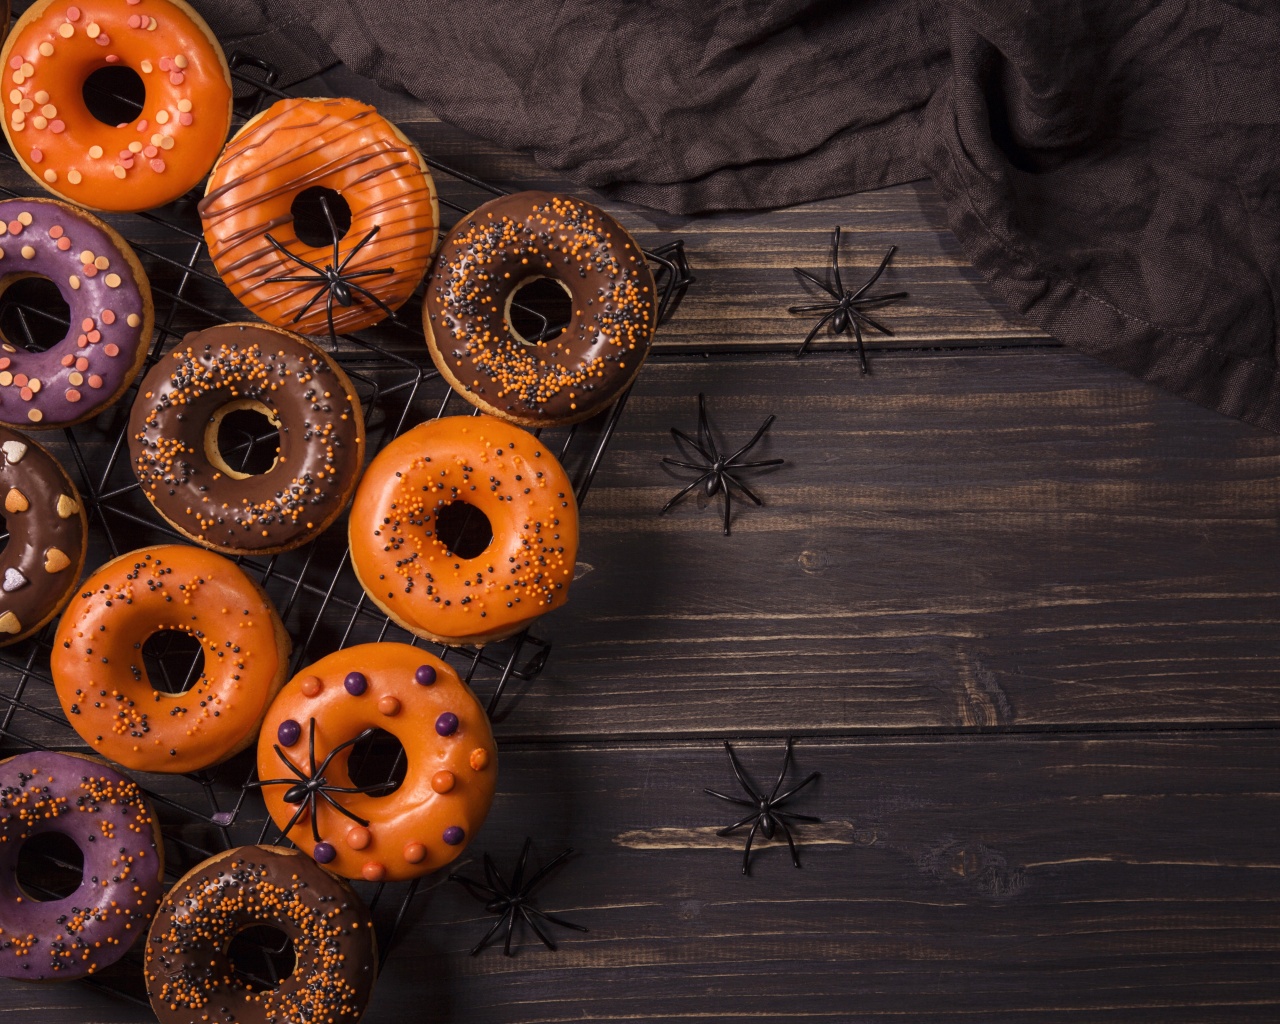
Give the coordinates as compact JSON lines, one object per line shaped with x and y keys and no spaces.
{"x":1110,"y":168}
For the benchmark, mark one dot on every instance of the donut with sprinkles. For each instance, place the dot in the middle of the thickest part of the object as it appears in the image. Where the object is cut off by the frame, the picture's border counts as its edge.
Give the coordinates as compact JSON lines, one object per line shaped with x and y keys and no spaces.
{"x":111,"y":314}
{"x":488,"y":257}
{"x":44,"y":937}
{"x":48,"y":533}
{"x":189,"y":971}
{"x":151,"y":160}
{"x":378,"y":832}
{"x":301,"y":391}
{"x":458,"y":471}
{"x":102,"y":681}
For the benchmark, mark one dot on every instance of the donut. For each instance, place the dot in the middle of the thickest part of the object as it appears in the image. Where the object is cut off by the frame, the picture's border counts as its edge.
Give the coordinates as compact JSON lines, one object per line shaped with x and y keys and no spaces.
{"x":106,"y":815}
{"x":338,"y":144}
{"x":406,"y":568}
{"x":171,"y":144}
{"x":504,"y":245}
{"x":173,"y":438}
{"x":448,"y":746}
{"x":101,"y":680}
{"x":109,"y":298}
{"x":44,"y":556}
{"x":188,"y":968}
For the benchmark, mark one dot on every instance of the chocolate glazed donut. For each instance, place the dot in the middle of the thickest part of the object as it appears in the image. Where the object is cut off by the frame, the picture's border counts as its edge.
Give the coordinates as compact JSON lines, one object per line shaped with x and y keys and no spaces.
{"x":41,"y":564}
{"x":507,"y":243}
{"x":189,"y":973}
{"x":173,"y":438}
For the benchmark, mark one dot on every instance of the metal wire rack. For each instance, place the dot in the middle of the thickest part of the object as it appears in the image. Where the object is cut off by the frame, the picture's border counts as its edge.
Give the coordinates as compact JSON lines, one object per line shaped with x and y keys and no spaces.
{"x":314,"y":588}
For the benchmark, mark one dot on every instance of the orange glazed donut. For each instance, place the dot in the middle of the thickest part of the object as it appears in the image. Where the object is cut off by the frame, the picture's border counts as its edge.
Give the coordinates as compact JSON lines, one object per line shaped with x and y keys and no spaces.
{"x":102,"y":682}
{"x":339,"y":144}
{"x":306,"y":743}
{"x":446,"y":464}
{"x":57,"y":44}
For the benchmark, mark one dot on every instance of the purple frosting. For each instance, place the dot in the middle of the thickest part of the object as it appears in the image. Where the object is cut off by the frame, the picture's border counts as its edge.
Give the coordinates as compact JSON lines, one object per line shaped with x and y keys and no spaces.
{"x":106,"y":815}
{"x":71,"y":380}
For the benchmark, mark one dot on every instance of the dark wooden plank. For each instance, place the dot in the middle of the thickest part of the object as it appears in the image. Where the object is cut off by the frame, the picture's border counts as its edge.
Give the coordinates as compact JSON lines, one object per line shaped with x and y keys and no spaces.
{"x":1005,"y":879}
{"x":983,"y":540}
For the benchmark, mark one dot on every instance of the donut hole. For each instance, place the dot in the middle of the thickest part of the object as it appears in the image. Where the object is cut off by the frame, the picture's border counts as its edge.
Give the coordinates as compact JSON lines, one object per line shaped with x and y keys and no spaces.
{"x":309,"y":221}
{"x":50,"y":867}
{"x":463,"y":529}
{"x":243,"y":439}
{"x":33,"y":314}
{"x":115,"y":94}
{"x":376,"y":759}
{"x":539,"y":310}
{"x":173,"y":660}
{"x":261,"y":956}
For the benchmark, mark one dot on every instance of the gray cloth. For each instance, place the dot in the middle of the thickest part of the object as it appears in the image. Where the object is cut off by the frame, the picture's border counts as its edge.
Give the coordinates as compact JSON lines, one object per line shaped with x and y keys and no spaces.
{"x":1111,"y":168}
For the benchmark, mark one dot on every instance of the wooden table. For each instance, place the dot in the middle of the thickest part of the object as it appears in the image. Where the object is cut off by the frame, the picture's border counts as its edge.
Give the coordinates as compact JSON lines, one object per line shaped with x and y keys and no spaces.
{"x":1020,"y":611}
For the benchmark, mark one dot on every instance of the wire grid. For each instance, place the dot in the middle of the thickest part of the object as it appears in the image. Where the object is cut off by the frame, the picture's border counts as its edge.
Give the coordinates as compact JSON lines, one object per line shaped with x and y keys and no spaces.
{"x":314,"y":588}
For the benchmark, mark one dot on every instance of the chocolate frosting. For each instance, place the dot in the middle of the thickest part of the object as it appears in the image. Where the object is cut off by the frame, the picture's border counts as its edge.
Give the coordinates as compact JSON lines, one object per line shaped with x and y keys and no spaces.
{"x":321,"y":438}
{"x":189,"y":973}
{"x":41,"y":563}
{"x":485,"y":260}
{"x":110,"y":314}
{"x":106,"y":815}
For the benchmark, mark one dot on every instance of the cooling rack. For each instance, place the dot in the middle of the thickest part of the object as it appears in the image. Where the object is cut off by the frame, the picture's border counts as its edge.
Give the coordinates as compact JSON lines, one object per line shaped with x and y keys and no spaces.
{"x":314,"y":588}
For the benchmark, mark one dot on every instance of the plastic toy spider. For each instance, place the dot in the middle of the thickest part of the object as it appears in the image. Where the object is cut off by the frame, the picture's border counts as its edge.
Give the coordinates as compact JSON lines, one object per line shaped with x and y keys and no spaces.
{"x":849,"y":308}
{"x":513,"y":900}
{"x":718,"y":471}
{"x":333,"y":282}
{"x":765,"y":817}
{"x":307,"y":788}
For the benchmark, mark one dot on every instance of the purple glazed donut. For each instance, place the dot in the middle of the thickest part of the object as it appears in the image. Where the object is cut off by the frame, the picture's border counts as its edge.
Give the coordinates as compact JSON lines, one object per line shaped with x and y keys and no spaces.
{"x":111,"y":314}
{"x":106,"y":815}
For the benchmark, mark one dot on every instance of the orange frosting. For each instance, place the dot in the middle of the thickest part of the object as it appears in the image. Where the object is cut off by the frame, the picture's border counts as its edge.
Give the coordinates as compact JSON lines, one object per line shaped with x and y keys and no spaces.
{"x":102,"y":682}
{"x":56,"y":45}
{"x":339,"y":144}
{"x":417,"y":828}
{"x":504,"y":472}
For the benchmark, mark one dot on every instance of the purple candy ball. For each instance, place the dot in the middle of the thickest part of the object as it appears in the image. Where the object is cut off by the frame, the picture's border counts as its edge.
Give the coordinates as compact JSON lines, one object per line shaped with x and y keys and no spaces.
{"x":323,"y":853}
{"x":355,"y":683}
{"x":425,"y":675}
{"x":288,"y":732}
{"x":447,"y":724}
{"x":454,"y":835}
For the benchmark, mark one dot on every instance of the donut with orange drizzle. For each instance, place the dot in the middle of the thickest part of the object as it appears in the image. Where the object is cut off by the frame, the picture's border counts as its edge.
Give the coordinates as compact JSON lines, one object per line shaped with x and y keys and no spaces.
{"x":136,"y":165}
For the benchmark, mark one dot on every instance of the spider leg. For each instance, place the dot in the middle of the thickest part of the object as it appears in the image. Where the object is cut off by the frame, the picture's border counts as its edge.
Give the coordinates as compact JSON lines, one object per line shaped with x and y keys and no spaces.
{"x":755,"y":439}
{"x":328,"y":316}
{"x":741,"y":774}
{"x":876,"y":324}
{"x":546,"y":870}
{"x":728,"y":504}
{"x":825,"y":307}
{"x":342,"y":810}
{"x":303,"y":776}
{"x":804,"y":345}
{"x":380,"y":272}
{"x":795,"y":855}
{"x":757,"y":465}
{"x":371,"y":297}
{"x":488,"y":936}
{"x":323,"y":289}
{"x":270,"y":782}
{"x":743,"y":488}
{"x":876,"y":276}
{"x":862,"y":349}
{"x":804,"y":275}
{"x":754,"y":815}
{"x":746,"y":853}
{"x":796,"y":789}
{"x":315,"y":825}
{"x":511,"y":928}
{"x":786,"y":765}
{"x":333,"y":227}
{"x":730,"y":799}
{"x":796,"y":817}
{"x":704,"y":428}
{"x":356,"y":248}
{"x":533,"y":923}
{"x":289,"y":277}
{"x":682,"y":465}
{"x":518,"y":875}
{"x":495,"y":879}
{"x":682,"y":492}
{"x":477,"y":889}
{"x":557,"y":920}
{"x":293,"y":255}
{"x":340,"y":747}
{"x":835,"y":258}
{"x":876,"y":301}
{"x":680,"y":435}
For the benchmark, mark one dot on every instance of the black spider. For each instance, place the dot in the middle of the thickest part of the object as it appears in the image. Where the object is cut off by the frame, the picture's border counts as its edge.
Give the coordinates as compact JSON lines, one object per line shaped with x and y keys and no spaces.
{"x":513,"y":900}
{"x":333,"y":281}
{"x":849,"y":308}
{"x":306,"y":788}
{"x":717,"y":470}
{"x":765,"y":817}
